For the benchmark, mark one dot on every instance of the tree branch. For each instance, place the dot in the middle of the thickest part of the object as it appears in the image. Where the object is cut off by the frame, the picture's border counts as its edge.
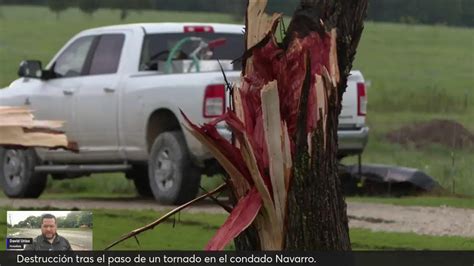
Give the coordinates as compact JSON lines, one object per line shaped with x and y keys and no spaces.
{"x":152,"y":225}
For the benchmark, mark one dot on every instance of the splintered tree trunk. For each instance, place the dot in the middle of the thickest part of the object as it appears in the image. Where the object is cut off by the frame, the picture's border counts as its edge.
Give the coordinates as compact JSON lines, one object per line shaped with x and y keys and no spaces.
{"x":282,"y":167}
{"x":316,"y":211}
{"x":317,"y":218}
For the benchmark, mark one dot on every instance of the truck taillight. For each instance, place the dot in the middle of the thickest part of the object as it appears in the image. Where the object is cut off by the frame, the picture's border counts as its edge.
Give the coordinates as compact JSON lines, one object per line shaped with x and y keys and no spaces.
{"x":361,"y":99}
{"x":198,"y":29}
{"x":214,"y":101}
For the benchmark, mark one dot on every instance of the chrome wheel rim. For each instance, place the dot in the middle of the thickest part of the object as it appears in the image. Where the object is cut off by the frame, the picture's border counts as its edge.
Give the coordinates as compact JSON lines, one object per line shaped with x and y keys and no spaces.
{"x":164,"y":170}
{"x":14,"y":167}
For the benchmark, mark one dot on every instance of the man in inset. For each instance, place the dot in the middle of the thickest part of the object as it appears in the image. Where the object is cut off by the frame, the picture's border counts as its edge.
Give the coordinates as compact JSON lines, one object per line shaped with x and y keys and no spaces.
{"x":49,"y":238}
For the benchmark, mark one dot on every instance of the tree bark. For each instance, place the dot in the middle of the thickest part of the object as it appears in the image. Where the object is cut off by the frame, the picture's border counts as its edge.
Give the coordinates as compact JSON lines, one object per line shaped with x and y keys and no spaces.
{"x":316,"y":217}
{"x":283,"y":167}
{"x":345,"y":15}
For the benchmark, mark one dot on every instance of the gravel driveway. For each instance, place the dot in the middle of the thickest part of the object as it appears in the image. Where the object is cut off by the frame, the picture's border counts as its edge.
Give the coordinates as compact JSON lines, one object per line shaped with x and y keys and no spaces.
{"x":438,"y":221}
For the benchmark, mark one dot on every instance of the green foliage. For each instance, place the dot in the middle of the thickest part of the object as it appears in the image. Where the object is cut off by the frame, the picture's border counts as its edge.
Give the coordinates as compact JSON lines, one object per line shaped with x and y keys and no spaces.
{"x":33,"y":222}
{"x":88,"y":6}
{"x":72,"y":220}
{"x":58,"y":6}
{"x":29,"y":222}
{"x":85,"y":219}
{"x":452,"y":12}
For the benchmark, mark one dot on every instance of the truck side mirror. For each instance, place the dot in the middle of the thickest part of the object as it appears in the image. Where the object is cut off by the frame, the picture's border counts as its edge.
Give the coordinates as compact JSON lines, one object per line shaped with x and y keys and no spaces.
{"x":30,"y":69}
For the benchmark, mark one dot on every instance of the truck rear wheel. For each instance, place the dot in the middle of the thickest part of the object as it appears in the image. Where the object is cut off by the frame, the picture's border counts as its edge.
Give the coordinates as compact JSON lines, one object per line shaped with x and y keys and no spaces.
{"x":17,"y":175}
{"x":139,"y":175}
{"x":174,"y":179}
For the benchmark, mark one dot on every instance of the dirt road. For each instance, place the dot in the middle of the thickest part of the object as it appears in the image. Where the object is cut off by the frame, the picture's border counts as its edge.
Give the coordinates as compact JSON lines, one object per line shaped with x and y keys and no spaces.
{"x":439,"y":221}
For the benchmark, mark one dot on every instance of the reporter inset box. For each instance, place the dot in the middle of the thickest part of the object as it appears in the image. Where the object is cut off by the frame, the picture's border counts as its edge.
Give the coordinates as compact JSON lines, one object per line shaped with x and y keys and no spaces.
{"x":49,"y":230}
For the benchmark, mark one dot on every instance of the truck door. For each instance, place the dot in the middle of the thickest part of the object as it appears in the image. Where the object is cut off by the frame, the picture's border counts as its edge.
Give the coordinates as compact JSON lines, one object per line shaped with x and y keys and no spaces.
{"x":54,"y":98}
{"x":96,"y":106}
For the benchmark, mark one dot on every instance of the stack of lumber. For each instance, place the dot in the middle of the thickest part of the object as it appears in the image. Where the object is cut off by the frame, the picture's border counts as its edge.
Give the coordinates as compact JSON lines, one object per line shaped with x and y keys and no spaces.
{"x":18,"y":128}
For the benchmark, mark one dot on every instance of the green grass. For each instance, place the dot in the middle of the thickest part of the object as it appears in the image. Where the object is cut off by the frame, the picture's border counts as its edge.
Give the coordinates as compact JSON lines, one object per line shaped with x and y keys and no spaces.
{"x":429,"y":201}
{"x":192,"y":231}
{"x":419,"y":73}
{"x":99,"y":185}
{"x":418,"y":68}
{"x":105,"y":186}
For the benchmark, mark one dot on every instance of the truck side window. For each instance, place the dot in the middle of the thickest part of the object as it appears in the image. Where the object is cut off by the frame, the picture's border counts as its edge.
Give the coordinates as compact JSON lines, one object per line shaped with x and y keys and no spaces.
{"x":71,"y":62}
{"x":158,"y":47}
{"x":106,"y":57}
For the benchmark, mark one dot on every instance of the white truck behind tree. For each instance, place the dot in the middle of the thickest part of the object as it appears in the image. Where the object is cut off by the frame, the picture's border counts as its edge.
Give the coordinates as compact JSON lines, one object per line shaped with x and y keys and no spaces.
{"x":120,"y":90}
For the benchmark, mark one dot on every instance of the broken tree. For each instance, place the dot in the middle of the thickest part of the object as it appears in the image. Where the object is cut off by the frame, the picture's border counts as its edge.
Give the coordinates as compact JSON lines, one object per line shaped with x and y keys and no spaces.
{"x":282,"y":164}
{"x":283,"y":168}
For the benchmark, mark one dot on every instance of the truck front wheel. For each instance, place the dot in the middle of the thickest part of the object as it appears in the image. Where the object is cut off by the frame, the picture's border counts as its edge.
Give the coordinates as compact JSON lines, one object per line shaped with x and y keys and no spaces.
{"x":174,"y":179}
{"x":17,"y":175}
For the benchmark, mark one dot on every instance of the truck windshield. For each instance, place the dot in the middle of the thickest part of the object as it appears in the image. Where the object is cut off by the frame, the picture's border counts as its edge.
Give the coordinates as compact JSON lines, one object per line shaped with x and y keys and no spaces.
{"x":163,"y":48}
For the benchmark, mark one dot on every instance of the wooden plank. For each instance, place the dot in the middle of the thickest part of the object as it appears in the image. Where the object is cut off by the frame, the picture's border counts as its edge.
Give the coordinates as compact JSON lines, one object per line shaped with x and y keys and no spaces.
{"x":271,"y":234}
{"x":274,"y":139}
{"x":262,"y":24}
{"x":333,"y":63}
{"x":16,"y":136}
{"x":18,"y":128}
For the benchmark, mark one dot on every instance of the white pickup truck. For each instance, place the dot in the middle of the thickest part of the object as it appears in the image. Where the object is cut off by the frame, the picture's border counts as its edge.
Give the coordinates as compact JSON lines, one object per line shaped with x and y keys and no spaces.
{"x":120,"y":90}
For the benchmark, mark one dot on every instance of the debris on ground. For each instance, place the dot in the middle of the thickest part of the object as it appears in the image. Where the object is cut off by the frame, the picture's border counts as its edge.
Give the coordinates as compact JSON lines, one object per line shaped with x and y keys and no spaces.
{"x":375,"y":179}
{"x":443,"y":132}
{"x":18,"y":128}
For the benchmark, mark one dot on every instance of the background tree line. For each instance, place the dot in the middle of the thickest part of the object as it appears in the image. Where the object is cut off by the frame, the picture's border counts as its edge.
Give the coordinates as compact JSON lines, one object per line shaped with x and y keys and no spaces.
{"x":448,"y":12}
{"x":72,"y":220}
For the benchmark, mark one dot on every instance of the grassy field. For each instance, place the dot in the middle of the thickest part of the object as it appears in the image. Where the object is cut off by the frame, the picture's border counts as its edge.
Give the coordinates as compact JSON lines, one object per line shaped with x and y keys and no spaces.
{"x":199,"y":228}
{"x":418,"y":68}
{"x":97,"y":186}
{"x":417,"y":73}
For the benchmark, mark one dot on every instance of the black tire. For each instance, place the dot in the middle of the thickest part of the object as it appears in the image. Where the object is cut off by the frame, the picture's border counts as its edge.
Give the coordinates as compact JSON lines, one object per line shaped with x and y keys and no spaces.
{"x":174,"y":179}
{"x":17,"y":175}
{"x":139,"y":175}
